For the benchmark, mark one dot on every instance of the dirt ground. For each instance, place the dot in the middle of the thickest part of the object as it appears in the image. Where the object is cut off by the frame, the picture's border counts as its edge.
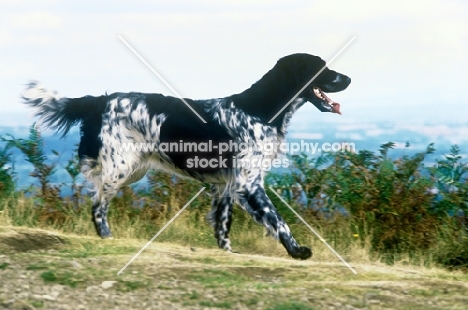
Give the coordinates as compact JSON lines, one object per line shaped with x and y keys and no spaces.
{"x":46,"y":270}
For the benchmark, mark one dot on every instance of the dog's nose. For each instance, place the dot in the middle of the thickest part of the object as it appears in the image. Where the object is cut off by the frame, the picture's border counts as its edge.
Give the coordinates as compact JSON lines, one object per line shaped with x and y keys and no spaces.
{"x":348,"y":80}
{"x":342,"y":79}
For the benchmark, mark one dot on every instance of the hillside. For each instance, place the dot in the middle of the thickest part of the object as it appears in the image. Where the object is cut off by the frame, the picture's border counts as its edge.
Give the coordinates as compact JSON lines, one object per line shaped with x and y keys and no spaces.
{"x":48,"y":270}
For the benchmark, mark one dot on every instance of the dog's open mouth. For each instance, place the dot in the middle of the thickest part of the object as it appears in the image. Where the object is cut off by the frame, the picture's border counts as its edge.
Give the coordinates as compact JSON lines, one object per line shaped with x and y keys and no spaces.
{"x":326,"y":100}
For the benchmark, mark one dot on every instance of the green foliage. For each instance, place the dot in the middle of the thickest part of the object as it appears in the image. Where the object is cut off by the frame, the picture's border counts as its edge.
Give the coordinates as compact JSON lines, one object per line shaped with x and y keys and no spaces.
{"x":170,"y":190}
{"x":73,"y":170}
{"x":392,"y":208}
{"x":390,"y":203}
{"x":33,"y":150}
{"x":7,"y":184}
{"x":37,"y":303}
{"x":449,"y":175}
{"x":387,"y":199}
{"x":48,"y":276}
{"x":62,"y":277}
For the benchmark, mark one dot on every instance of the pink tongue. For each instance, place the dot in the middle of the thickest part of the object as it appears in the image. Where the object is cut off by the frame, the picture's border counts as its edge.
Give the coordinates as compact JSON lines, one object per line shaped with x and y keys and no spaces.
{"x":335,"y":105}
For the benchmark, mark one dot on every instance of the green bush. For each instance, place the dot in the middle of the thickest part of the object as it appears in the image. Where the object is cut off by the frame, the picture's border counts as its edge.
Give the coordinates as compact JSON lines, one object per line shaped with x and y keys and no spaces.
{"x":396,"y":209}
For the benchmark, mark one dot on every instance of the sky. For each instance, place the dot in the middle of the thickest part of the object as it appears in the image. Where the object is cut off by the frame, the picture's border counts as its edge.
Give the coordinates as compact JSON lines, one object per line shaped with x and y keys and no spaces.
{"x":407,"y":63}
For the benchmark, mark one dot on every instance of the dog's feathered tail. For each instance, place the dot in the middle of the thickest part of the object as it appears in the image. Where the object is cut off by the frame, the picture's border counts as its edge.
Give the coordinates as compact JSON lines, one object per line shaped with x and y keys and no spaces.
{"x":59,"y":113}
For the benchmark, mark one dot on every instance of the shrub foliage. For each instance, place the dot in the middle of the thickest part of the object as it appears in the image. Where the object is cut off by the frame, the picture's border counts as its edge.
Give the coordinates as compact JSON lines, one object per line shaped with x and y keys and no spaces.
{"x":395,"y":208}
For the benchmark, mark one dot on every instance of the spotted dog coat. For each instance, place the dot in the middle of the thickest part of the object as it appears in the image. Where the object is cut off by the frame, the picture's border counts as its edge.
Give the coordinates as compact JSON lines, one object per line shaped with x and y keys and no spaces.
{"x":110,"y":121}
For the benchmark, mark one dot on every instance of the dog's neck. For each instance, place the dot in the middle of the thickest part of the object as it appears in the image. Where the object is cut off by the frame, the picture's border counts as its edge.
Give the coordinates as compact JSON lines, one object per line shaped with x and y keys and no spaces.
{"x":271,"y":101}
{"x":284,"y":119}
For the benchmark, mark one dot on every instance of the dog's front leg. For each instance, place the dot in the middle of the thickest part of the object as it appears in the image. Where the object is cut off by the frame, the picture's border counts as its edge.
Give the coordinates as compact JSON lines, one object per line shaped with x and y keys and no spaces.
{"x":220,"y":216}
{"x":254,"y":200}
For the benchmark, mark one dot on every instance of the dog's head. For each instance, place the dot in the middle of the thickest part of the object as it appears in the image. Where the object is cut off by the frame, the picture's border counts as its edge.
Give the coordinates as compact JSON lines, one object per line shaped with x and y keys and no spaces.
{"x":303,"y":69}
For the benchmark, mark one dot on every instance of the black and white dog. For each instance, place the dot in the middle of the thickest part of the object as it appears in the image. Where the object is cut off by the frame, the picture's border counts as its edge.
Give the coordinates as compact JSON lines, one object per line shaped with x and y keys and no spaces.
{"x":209,"y":152}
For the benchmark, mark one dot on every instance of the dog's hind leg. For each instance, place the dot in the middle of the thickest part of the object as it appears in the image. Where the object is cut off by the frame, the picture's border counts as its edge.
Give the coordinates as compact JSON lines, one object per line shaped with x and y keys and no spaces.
{"x":220,"y":216}
{"x":103,"y":193}
{"x":100,"y":209}
{"x":92,"y":170}
{"x":253,"y":199}
{"x":107,"y":180}
{"x":111,"y":182}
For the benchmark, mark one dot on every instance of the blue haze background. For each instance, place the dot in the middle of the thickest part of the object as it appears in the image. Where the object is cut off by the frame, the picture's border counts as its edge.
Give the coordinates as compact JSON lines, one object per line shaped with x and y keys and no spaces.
{"x":408,"y":63}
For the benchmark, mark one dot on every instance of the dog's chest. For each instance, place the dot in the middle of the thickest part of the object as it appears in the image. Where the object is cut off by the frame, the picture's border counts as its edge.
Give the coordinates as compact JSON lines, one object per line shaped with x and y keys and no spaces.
{"x":264,"y":140}
{"x":252,"y":137}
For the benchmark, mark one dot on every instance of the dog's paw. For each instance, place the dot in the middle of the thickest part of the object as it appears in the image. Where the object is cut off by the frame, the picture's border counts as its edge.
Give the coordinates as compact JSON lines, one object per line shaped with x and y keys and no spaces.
{"x":105,"y":234}
{"x":302,"y":253}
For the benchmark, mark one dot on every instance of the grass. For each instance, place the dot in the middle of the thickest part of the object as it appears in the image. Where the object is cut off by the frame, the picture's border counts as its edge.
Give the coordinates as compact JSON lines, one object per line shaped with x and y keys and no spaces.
{"x":68,"y":278}
{"x":128,"y":286}
{"x":49,"y":276}
{"x":194,"y":295}
{"x":252,"y":301}
{"x":37,"y":303}
{"x":36,"y":267}
{"x":291,"y":306}
{"x":223,"y":305}
{"x":190,"y":229}
{"x":213,"y":278}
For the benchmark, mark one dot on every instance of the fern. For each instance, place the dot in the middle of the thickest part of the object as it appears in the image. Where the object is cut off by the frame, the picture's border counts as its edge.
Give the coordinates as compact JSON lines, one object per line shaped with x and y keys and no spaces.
{"x":7,"y":184}
{"x":33,"y":150}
